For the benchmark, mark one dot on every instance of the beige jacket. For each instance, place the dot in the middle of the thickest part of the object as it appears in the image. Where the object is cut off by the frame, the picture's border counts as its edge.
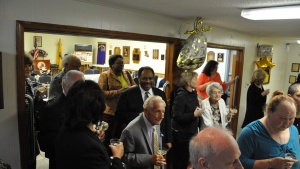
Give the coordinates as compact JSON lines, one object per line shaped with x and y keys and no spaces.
{"x":112,"y":89}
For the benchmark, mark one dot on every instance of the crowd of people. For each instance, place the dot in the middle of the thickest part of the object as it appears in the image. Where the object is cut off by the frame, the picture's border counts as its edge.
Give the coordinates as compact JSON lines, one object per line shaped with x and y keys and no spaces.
{"x":193,"y":132}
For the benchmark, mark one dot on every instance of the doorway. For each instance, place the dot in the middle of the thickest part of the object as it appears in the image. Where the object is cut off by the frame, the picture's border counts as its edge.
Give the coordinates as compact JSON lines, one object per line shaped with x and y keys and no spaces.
{"x":171,"y":71}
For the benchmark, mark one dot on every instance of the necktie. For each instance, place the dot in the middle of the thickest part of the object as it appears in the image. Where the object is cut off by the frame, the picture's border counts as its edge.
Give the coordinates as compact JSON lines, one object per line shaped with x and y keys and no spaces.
{"x":146,"y":96}
{"x":155,"y":144}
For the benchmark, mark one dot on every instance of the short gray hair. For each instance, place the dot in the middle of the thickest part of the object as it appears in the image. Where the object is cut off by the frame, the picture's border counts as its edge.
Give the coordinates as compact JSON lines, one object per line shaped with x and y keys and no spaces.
{"x":293,"y":88}
{"x":66,"y":59}
{"x":148,"y":104}
{"x":203,"y":144}
{"x":209,"y":88}
{"x":186,"y":77}
{"x":68,"y":79}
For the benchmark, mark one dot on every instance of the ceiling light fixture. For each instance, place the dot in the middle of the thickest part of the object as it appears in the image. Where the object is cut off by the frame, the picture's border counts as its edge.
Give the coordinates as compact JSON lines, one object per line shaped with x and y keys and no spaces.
{"x":272,"y":13}
{"x":298,"y":41}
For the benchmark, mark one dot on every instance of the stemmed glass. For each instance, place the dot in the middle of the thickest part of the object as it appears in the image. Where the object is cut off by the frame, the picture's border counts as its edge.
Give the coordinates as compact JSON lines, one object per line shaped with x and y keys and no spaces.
{"x":162,"y":151}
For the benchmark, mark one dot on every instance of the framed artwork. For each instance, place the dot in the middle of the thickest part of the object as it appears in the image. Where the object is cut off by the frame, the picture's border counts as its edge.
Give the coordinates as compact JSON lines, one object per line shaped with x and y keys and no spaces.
{"x":210,"y":56}
{"x":126,"y":54}
{"x":136,"y":53}
{"x":155,"y":54}
{"x":264,"y":50}
{"x":220,"y":57}
{"x":37,"y":40}
{"x":117,"y":50}
{"x":295,"y":67}
{"x":292,"y":79}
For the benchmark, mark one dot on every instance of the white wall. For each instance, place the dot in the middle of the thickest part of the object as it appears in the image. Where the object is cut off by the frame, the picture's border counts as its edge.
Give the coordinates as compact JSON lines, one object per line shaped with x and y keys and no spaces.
{"x":75,"y":13}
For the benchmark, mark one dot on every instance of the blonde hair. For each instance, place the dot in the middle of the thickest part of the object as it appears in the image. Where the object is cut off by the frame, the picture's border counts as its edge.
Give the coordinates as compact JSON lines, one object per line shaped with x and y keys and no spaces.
{"x":186,"y":77}
{"x":258,"y":76}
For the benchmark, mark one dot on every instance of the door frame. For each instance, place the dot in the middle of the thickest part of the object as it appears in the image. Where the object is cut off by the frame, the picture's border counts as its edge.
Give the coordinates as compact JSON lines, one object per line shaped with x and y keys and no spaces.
{"x":172,"y":72}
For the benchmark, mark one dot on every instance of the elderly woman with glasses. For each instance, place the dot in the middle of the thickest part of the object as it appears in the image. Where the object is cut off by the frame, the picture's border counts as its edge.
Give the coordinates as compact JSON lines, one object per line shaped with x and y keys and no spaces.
{"x":113,"y":82}
{"x":216,"y":113}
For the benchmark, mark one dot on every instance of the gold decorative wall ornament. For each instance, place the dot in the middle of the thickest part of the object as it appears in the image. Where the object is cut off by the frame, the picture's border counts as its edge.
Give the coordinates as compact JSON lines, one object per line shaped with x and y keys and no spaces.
{"x":193,"y":53}
{"x":266,"y":64}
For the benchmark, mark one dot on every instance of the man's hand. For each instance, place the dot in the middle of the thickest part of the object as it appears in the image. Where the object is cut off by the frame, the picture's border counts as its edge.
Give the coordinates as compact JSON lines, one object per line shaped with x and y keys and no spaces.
{"x":157,"y":160}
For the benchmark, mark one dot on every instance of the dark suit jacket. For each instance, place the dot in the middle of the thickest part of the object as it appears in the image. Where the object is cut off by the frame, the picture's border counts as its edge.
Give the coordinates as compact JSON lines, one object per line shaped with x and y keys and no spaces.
{"x":137,"y":144}
{"x":51,"y":120}
{"x":81,"y":148}
{"x":130,"y":104}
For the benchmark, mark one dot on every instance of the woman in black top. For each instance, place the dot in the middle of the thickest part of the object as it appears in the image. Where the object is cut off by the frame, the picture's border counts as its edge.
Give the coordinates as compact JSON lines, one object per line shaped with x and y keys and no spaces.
{"x":78,"y":145}
{"x":185,"y":120}
{"x":256,"y":97}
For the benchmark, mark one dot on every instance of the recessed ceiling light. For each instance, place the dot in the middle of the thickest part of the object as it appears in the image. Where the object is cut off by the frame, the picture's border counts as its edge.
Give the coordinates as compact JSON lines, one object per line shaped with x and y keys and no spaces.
{"x":272,"y":13}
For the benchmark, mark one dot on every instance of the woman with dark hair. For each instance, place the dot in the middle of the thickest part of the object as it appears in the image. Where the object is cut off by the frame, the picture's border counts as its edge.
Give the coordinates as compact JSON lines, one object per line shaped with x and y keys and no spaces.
{"x":33,"y":103}
{"x":77,"y":144}
{"x":113,"y":82}
{"x":208,"y":75}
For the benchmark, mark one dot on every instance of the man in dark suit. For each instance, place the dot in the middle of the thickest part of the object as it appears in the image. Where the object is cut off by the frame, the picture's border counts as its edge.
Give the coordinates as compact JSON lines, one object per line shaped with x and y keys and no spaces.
{"x":141,"y":138}
{"x":52,"y":116}
{"x":130,"y":103}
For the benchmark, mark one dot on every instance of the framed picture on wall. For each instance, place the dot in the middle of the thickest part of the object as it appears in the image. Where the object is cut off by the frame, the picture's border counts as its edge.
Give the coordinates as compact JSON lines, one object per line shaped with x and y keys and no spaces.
{"x":220,"y":57}
{"x":295,"y":67}
{"x":37,"y":40}
{"x":292,"y":79}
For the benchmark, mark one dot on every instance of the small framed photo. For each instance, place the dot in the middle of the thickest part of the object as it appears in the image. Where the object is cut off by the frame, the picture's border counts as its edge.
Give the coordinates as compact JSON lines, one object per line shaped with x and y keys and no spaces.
{"x":295,"y":67}
{"x":220,"y":57}
{"x":37,"y":40}
{"x":292,"y":79}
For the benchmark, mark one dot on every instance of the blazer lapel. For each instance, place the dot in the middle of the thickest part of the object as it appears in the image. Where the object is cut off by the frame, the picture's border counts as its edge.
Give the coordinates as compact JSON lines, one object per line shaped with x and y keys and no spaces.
{"x":145,"y":133}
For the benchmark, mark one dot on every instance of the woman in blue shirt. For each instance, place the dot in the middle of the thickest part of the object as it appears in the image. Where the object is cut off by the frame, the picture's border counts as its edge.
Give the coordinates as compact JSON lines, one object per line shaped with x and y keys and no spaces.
{"x":264,"y":142}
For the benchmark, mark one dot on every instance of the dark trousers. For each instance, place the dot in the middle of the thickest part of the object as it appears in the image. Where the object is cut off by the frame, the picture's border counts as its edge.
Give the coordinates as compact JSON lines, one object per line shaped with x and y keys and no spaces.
{"x":32,"y":165}
{"x":180,"y":148}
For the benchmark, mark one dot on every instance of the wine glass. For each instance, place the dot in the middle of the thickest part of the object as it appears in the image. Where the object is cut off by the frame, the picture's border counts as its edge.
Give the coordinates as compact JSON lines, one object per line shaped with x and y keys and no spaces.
{"x":162,"y":151}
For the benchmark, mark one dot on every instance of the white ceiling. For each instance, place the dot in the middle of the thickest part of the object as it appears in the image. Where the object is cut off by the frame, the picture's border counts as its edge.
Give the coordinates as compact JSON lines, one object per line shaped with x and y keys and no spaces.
{"x":220,"y":13}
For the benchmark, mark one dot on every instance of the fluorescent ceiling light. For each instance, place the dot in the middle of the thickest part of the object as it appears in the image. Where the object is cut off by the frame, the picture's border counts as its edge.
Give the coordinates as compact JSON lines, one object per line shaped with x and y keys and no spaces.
{"x":272,"y":13}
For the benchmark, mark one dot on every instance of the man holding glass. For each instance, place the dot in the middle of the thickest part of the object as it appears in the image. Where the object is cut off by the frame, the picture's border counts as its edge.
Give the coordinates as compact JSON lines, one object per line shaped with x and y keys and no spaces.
{"x":142,"y":138}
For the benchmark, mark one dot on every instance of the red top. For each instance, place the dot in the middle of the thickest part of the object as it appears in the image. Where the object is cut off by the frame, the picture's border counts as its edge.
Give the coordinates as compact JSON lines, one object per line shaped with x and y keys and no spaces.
{"x":203,"y":78}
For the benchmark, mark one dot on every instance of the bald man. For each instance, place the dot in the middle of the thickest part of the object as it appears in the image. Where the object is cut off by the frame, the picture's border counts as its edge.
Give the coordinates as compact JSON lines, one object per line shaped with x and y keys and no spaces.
{"x":69,"y":62}
{"x":215,"y":148}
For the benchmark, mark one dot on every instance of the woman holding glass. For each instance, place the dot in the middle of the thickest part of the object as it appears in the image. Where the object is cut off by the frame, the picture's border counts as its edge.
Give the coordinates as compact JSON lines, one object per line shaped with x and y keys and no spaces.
{"x":78,"y":144}
{"x":185,"y":123}
{"x":264,"y":143}
{"x":216,"y":112}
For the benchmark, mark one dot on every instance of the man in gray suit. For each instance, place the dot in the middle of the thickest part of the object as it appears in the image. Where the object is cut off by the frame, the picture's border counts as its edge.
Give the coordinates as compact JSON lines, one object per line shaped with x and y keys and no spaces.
{"x":138,"y":136}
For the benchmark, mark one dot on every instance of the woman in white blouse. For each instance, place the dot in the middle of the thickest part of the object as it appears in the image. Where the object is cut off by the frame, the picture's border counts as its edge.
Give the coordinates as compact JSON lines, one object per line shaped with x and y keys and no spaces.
{"x":216,"y":112}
